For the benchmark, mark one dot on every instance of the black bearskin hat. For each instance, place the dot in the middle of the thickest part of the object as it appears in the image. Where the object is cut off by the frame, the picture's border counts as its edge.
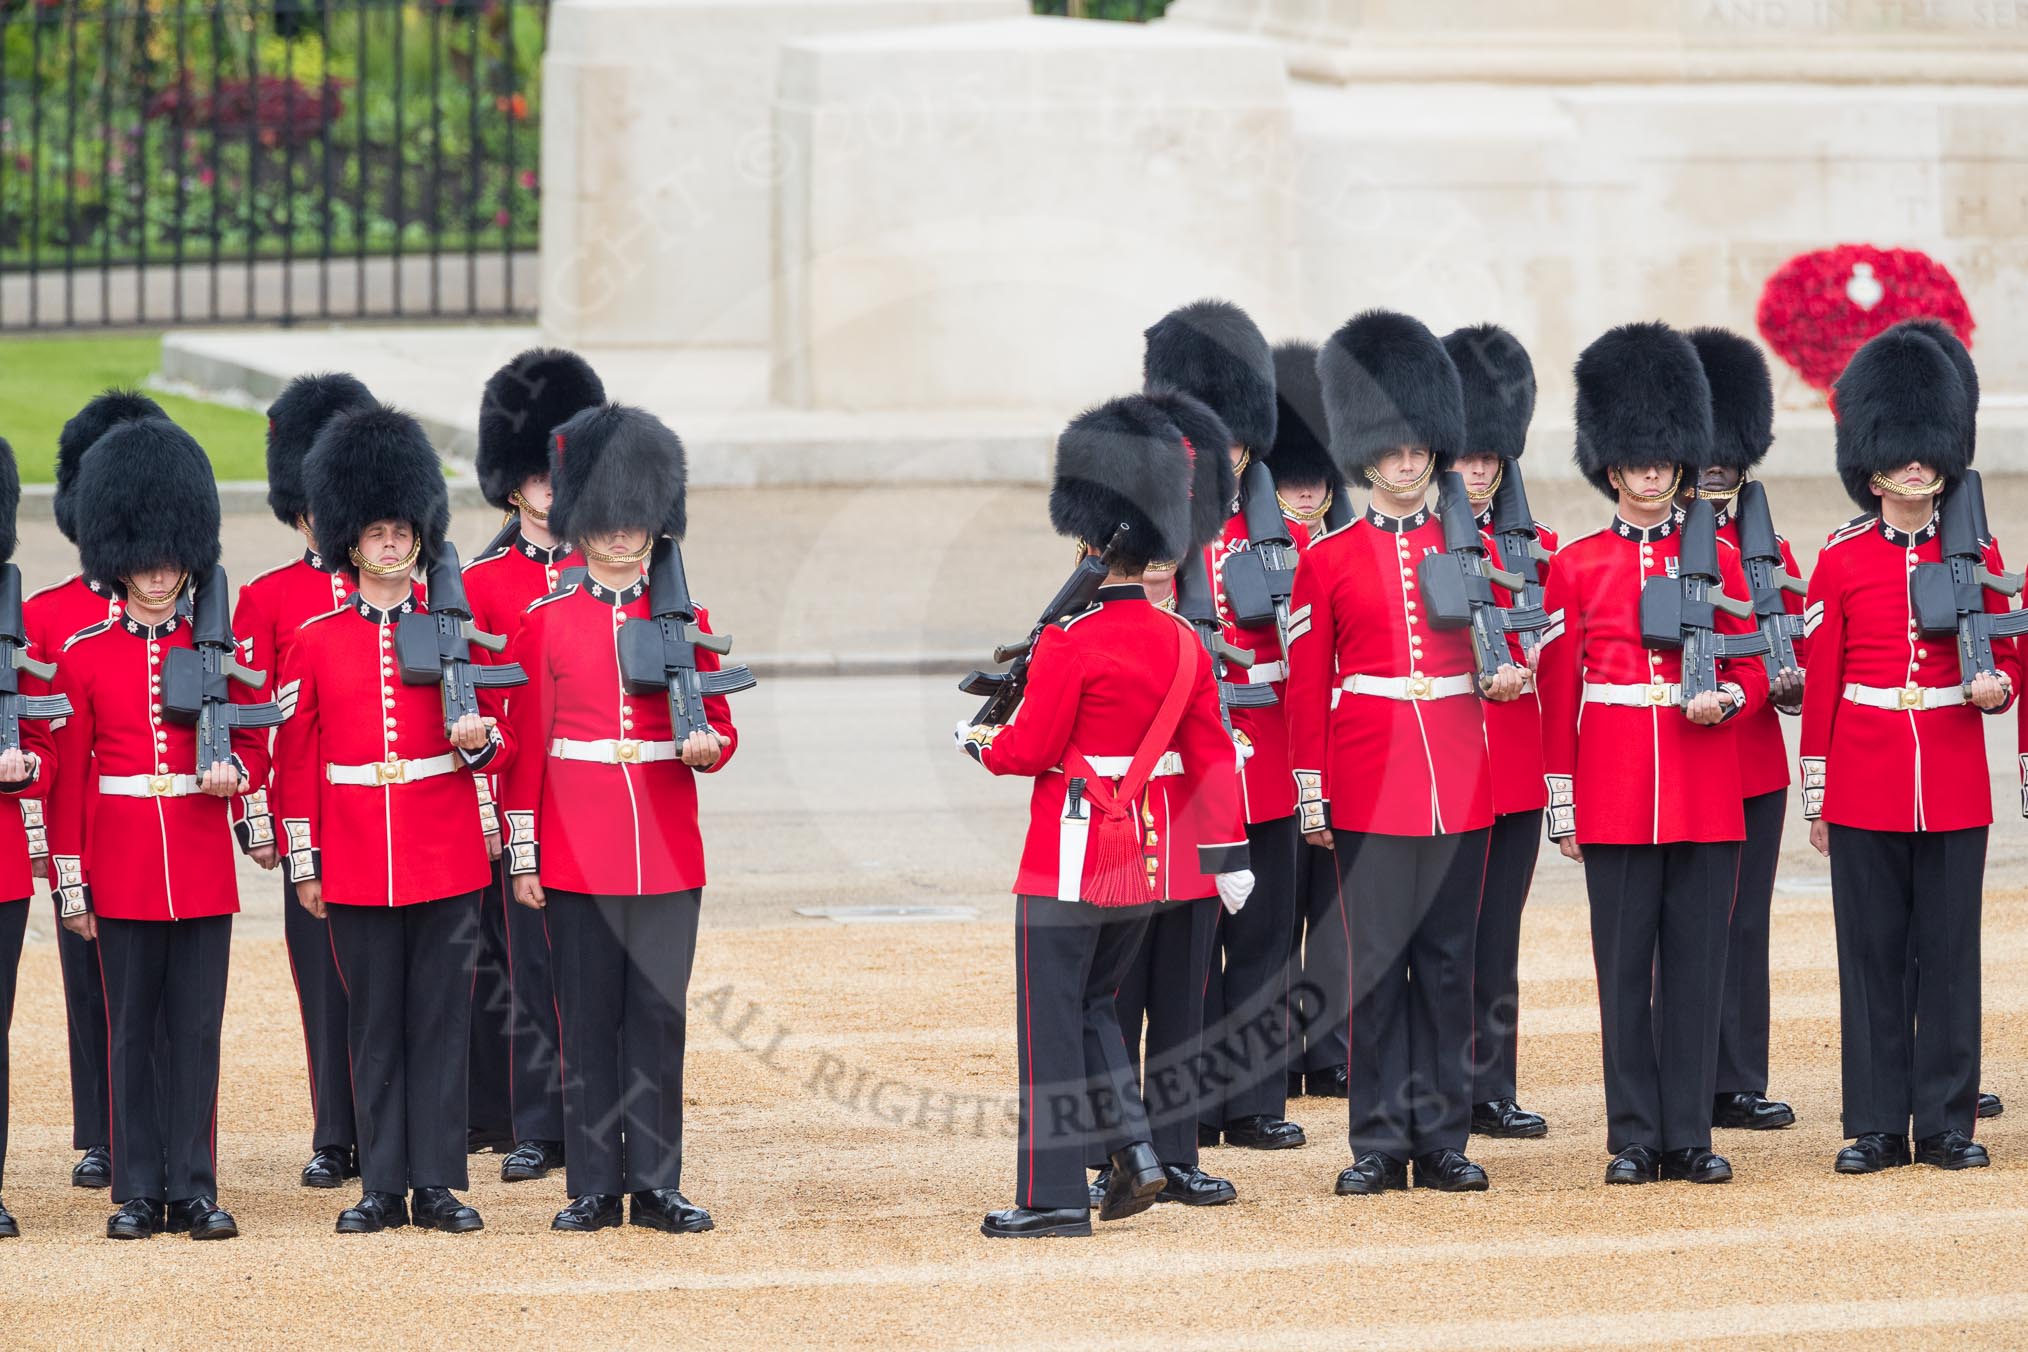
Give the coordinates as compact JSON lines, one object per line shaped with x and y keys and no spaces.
{"x":1499,"y":386}
{"x":374,"y":464}
{"x":1900,"y":399}
{"x":1212,"y":351}
{"x":1123,"y":480}
{"x":525,"y":400}
{"x":144,"y":498}
{"x":10,"y":501}
{"x":616,"y":467}
{"x":294,"y":419}
{"x":1742,"y":398}
{"x":1302,"y":438}
{"x":1388,"y":382}
{"x":1642,"y":399}
{"x":1944,"y":337}
{"x":1214,"y":489}
{"x":90,"y":423}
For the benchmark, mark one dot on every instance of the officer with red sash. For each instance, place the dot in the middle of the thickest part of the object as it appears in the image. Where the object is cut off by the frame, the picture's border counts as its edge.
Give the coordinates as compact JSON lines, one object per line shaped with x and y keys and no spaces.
{"x":1120,"y":731}
{"x":271,"y":608}
{"x":145,"y":865}
{"x":1394,"y":778}
{"x":517,"y":1083}
{"x":1644,"y":792}
{"x":1742,"y":420}
{"x":1213,"y":352}
{"x":50,"y":616}
{"x":1894,"y":764}
{"x":381,"y":820}
{"x":603,"y":840}
{"x":1499,"y":387}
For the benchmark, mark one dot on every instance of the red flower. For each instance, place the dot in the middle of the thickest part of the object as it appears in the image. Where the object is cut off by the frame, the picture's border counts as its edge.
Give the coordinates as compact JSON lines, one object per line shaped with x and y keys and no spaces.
{"x":1820,"y":307}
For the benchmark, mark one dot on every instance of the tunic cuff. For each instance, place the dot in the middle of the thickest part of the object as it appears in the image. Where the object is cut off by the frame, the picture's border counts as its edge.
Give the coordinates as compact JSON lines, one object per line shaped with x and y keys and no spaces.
{"x":1813,"y":787}
{"x":1313,"y":810}
{"x":1562,"y":806}
{"x":520,"y":850}
{"x":1738,"y":705}
{"x":21,"y":785}
{"x":73,"y":895}
{"x":305,"y":859}
{"x":489,"y":816}
{"x":480,"y":759}
{"x":1233,"y":858}
{"x":38,"y":834}
{"x":256,"y":826}
{"x":2024,"y":786}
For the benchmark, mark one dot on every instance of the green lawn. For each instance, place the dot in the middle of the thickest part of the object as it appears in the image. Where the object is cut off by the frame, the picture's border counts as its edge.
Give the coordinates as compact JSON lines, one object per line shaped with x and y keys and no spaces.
{"x":43,"y":381}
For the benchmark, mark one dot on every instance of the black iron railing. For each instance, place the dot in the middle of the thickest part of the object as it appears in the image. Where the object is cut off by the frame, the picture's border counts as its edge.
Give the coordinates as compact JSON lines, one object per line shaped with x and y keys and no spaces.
{"x":267,"y":160}
{"x":1136,"y":11}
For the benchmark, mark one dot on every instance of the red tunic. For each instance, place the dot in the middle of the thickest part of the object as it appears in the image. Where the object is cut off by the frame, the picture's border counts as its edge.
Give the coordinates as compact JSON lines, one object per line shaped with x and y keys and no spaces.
{"x":621,"y":827}
{"x":48,"y":619}
{"x":401,"y":840}
{"x":271,"y":608}
{"x":1268,"y":792}
{"x":1514,"y":729}
{"x":1763,"y":754}
{"x":500,"y":586}
{"x":1398,"y":767}
{"x":1095,"y":683}
{"x":1889,"y":769}
{"x":154,"y":857}
{"x":1638,"y":775}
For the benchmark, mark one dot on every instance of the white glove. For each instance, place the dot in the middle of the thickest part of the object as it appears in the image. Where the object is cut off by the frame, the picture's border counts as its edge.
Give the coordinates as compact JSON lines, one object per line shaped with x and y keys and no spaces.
{"x":1234,"y":889}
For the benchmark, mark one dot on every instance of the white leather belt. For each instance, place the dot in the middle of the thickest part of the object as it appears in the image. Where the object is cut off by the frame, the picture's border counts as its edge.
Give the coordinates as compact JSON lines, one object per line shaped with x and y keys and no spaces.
{"x":1906,"y":697}
{"x":613,"y":751}
{"x":1261,"y":673}
{"x":1651,"y":694}
{"x":150,"y":786}
{"x":393,"y":771}
{"x":1116,"y":767}
{"x":1410,"y":687}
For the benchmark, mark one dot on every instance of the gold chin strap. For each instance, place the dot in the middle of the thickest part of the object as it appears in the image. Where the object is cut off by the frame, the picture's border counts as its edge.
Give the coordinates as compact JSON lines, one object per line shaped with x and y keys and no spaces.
{"x":535,"y":513}
{"x":619,"y":560}
{"x":1481,"y":499}
{"x":154,"y":598}
{"x":304,"y":529}
{"x":1724,"y":495}
{"x":1245,"y":459}
{"x":1675,"y":485}
{"x":361,"y":562}
{"x":1307,"y":518}
{"x":1928,"y":490}
{"x":1417,"y":485}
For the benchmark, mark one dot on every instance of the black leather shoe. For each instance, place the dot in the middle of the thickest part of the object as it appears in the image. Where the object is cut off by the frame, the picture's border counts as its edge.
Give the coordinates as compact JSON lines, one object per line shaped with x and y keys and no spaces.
{"x":95,"y":1170}
{"x":139,"y":1219}
{"x":1026,"y":1223}
{"x":1100,"y":1182}
{"x":1990,"y":1105}
{"x":1371,"y":1174}
{"x":1262,"y":1132}
{"x":1506,"y":1118}
{"x":439,"y":1209}
{"x":669,"y":1211}
{"x":8,"y":1228}
{"x":201,"y":1218}
{"x":1751,"y":1112}
{"x":1448,"y":1171}
{"x":1136,"y":1178}
{"x":1872,"y":1152}
{"x":330,"y":1167}
{"x":531,"y":1160}
{"x":1207,"y":1137}
{"x":1190,"y":1185}
{"x":480,"y":1140}
{"x":1332,"y":1083}
{"x":593,"y":1211}
{"x":1695,"y":1165}
{"x":1635,"y":1164}
{"x":1951,"y":1150}
{"x":372,"y":1213}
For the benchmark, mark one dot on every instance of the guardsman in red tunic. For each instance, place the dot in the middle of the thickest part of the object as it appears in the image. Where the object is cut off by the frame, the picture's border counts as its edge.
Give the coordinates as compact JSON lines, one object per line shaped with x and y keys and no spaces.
{"x":1394,"y":777}
{"x":145,"y":865}
{"x":50,"y":617}
{"x":517,"y":1080}
{"x":1314,"y":499}
{"x":1894,"y":764}
{"x":1742,"y":418}
{"x":381,"y":821}
{"x":603,"y":842}
{"x":1644,"y":790}
{"x":271,"y":608}
{"x":23,"y":769}
{"x":1499,"y":387}
{"x":1212,"y":351}
{"x":1119,"y":729}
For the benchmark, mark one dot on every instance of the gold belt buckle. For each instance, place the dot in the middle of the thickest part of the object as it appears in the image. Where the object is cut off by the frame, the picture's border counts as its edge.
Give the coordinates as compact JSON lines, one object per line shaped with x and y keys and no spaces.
{"x":627,"y":752}
{"x":1911,"y":697}
{"x":1419,"y":687}
{"x":1658,"y":692}
{"x":161,"y":786}
{"x":393,"y":770}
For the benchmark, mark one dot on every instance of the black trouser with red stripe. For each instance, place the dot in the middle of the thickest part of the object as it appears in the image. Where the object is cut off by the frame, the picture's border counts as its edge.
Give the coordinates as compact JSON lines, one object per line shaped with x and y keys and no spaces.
{"x":1078,"y":1100}
{"x":320,"y":998}
{"x":84,"y":1019}
{"x":1247,"y":1021}
{"x":408,"y":987}
{"x":1658,"y":922}
{"x":13,"y":924}
{"x":1743,"y":1016}
{"x":165,"y":1002}
{"x":490,"y":1096}
{"x":1165,"y":982}
{"x":1511,"y":852}
{"x":1323,"y":964}
{"x":520,"y":1086}
{"x":1411,"y":904}
{"x":622,"y":984}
